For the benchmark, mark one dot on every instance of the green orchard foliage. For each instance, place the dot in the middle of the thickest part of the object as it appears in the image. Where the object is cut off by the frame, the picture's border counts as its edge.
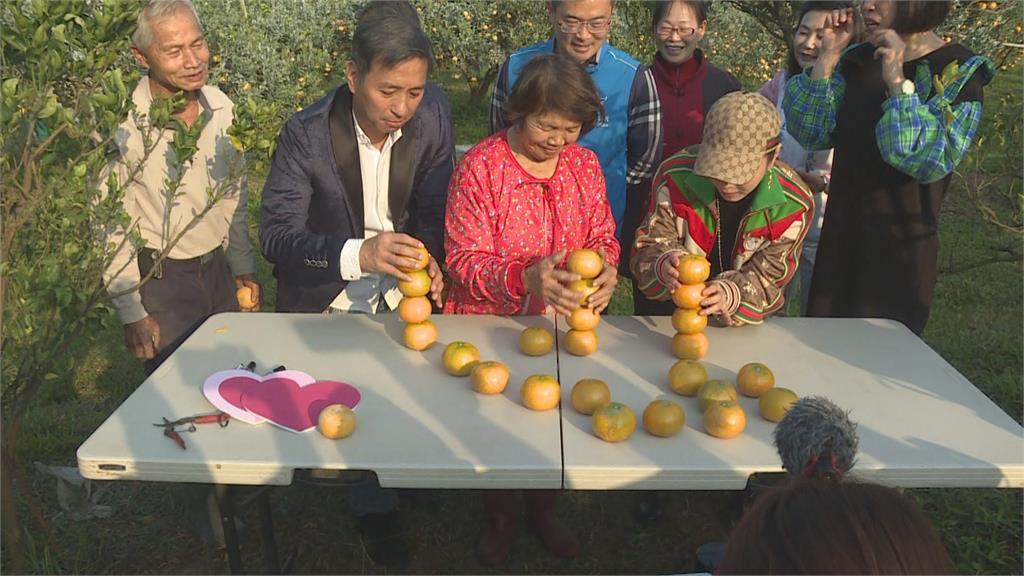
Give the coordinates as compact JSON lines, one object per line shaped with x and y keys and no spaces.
{"x":65,"y":87}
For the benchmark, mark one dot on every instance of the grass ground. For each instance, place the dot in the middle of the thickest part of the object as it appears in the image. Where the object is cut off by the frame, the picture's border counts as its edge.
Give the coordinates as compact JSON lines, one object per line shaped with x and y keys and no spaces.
{"x":976,"y":325}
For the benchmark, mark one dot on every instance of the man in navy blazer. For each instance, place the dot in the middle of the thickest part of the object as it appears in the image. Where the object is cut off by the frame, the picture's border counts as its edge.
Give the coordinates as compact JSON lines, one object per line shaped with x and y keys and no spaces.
{"x":359,"y":183}
{"x":336,"y":239}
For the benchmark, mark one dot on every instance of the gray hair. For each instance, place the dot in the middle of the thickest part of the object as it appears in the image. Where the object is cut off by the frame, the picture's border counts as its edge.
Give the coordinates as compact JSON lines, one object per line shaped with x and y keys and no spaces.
{"x":154,"y":9}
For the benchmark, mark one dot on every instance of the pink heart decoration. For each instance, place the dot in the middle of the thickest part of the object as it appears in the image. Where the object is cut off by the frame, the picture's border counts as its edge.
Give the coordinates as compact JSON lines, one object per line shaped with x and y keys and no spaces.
{"x":224,"y":390}
{"x":293,"y":405}
{"x":278,"y":396}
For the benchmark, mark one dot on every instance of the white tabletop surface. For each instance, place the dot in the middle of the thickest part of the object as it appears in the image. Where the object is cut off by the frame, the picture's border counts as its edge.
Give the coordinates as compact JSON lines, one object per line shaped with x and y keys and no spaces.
{"x":921,"y":423}
{"x":417,"y":426}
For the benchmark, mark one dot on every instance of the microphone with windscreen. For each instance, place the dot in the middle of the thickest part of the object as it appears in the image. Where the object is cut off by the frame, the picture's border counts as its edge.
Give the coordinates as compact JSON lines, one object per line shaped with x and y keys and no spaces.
{"x":816,"y":439}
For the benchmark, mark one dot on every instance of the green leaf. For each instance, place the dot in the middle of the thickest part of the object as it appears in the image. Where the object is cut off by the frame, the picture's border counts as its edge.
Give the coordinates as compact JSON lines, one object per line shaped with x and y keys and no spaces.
{"x":951,"y":72}
{"x":39,"y":38}
{"x":48,"y":108}
{"x":9,"y":87}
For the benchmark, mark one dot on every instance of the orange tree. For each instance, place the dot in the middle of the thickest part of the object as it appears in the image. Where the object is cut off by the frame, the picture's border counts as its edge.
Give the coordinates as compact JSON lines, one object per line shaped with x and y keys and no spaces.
{"x":288,"y":53}
{"x":64,"y":89}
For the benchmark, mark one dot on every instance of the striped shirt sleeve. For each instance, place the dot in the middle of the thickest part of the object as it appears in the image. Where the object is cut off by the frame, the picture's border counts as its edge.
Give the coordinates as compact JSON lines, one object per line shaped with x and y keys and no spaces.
{"x":498,"y":99}
{"x":644,"y":133}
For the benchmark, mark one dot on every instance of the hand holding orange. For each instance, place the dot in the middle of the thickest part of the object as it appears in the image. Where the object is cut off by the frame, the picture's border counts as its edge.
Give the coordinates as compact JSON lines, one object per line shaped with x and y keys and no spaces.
{"x":245,"y":297}
{"x":587,"y":263}
{"x":693,"y":269}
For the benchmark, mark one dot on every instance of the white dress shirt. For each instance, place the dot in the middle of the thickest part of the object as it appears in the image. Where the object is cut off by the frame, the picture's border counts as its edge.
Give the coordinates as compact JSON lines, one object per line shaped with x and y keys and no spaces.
{"x":364,"y":290}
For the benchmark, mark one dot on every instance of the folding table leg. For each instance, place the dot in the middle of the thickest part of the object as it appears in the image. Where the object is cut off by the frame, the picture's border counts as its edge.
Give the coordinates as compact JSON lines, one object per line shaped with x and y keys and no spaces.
{"x":227,"y":520}
{"x":267,"y":533}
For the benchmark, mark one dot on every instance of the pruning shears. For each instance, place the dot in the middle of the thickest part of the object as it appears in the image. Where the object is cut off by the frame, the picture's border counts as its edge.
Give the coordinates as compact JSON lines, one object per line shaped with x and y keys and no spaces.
{"x":172,"y":428}
{"x":189,"y":422}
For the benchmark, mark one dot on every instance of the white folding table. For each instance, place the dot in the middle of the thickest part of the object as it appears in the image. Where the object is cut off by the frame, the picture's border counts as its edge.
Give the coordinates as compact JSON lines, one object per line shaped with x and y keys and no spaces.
{"x":920,"y":422}
{"x":417,"y":425}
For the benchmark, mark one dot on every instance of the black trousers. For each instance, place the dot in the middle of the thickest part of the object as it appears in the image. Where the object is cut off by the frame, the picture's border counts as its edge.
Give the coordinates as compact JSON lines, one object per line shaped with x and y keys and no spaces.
{"x":644,"y":307}
{"x":186,"y":294}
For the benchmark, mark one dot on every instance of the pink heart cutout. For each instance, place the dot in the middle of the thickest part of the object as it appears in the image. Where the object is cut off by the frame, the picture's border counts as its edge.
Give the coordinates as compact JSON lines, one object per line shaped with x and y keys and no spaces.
{"x":293,"y":405}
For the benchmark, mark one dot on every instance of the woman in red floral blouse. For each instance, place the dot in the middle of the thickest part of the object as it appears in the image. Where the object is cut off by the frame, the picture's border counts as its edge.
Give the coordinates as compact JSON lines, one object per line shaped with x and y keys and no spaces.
{"x":518,"y":203}
{"x":524,"y":197}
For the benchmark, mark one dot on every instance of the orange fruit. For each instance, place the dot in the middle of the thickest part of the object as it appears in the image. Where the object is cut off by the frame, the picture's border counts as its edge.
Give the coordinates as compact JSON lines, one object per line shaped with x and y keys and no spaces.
{"x":583,"y":318}
{"x":585,"y":287}
{"x":725,"y":419}
{"x":415,"y":309}
{"x":580,"y":342}
{"x":421,"y":263}
{"x":754,"y":379}
{"x":686,"y":377}
{"x":690,"y":346}
{"x":541,"y":392}
{"x":245,"y":299}
{"x":588,"y":394}
{"x":489,"y":377}
{"x":613,"y":422}
{"x":693,"y":269}
{"x":688,"y":321}
{"x":459,"y":358}
{"x":664,"y":418}
{"x":536,"y":341}
{"x":774,"y":403}
{"x":336,"y":421}
{"x":419,"y":336}
{"x":418,"y":286}
{"x":715,"y":391}
{"x":586,"y":263}
{"x":688,"y":295}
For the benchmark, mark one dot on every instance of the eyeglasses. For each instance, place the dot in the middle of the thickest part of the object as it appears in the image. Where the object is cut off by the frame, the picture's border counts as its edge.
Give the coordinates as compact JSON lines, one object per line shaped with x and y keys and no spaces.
{"x":665,"y":31}
{"x":595,"y":27}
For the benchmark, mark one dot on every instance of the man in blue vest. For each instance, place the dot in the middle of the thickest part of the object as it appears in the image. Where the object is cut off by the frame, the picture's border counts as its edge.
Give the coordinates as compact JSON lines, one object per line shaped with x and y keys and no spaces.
{"x":628,"y":140}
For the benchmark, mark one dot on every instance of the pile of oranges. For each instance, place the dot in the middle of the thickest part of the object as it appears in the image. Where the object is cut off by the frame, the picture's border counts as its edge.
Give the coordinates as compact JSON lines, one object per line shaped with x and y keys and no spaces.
{"x":581,"y":340}
{"x":414,"y":309}
{"x":615,"y":422}
{"x":690,"y":343}
{"x":718,"y":400}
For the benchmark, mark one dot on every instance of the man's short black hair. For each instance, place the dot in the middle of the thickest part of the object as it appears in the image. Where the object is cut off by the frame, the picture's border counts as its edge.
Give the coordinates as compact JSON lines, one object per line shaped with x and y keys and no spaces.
{"x":388,"y":33}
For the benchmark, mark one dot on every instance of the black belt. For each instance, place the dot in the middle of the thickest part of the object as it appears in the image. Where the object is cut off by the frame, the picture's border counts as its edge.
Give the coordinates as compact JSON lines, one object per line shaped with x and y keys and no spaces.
{"x":148,"y":259}
{"x":152,"y":256}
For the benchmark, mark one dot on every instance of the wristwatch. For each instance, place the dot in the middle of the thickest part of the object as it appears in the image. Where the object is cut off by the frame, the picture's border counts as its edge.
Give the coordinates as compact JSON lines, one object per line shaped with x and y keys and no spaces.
{"x":906,"y":88}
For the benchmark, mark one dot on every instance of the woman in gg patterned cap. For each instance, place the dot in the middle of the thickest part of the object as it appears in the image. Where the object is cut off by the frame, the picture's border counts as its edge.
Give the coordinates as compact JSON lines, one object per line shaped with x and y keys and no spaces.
{"x":727,"y":199}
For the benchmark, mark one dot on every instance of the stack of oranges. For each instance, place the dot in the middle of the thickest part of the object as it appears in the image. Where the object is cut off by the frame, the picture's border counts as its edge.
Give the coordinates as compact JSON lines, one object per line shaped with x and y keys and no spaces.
{"x":581,"y":340}
{"x":690,"y":343}
{"x":414,"y":309}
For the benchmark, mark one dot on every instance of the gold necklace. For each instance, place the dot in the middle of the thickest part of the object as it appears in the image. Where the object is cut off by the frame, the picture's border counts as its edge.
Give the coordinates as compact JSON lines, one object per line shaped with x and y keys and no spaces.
{"x":718,"y":235}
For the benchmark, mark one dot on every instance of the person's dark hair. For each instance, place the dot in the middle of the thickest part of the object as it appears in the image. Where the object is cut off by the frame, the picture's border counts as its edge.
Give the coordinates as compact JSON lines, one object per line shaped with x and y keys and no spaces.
{"x":555,"y":83}
{"x":388,"y":33}
{"x":660,"y":7}
{"x":817,"y":526}
{"x":920,"y":15}
{"x":792,"y":66}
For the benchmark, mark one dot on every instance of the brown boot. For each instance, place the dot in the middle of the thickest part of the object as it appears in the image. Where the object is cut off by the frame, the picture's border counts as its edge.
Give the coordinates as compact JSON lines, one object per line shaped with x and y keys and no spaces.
{"x":542,"y":506}
{"x":496,"y":543}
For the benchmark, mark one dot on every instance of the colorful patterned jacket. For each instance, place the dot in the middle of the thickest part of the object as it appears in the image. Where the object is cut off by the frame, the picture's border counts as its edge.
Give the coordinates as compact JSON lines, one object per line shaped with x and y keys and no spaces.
{"x":683,"y":219}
